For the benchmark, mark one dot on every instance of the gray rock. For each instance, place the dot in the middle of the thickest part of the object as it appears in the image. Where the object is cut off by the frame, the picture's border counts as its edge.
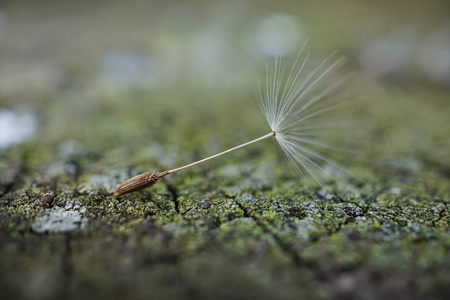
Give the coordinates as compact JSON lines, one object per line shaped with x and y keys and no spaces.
{"x":59,"y":219}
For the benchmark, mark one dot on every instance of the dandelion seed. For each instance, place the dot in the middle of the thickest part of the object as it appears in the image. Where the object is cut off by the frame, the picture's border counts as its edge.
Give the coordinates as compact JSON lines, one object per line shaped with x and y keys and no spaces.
{"x":294,"y":107}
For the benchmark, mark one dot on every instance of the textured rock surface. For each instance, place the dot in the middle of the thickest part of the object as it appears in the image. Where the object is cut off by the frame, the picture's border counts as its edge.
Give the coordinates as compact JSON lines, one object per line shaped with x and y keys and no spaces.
{"x":242,"y":226}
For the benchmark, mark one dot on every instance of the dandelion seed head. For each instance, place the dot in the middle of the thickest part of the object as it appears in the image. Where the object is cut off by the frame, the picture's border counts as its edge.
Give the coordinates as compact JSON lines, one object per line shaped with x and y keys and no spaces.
{"x":295,"y":102}
{"x":294,"y":106}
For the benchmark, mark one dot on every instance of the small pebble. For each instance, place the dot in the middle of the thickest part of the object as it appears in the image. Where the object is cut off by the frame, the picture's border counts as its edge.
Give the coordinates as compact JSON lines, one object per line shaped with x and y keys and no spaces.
{"x":205,"y":205}
{"x":48,"y":197}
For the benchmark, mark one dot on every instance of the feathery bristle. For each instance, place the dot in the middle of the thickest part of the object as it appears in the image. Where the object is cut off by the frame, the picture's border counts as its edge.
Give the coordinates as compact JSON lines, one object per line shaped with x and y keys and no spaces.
{"x":296,"y":108}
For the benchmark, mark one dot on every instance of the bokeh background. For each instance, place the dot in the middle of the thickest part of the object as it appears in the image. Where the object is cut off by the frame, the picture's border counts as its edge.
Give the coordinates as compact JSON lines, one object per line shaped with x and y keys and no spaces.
{"x":92,"y":92}
{"x":105,"y":74}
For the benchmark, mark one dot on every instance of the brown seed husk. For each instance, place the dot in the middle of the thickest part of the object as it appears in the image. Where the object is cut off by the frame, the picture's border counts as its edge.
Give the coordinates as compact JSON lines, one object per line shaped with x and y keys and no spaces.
{"x":139,"y":182}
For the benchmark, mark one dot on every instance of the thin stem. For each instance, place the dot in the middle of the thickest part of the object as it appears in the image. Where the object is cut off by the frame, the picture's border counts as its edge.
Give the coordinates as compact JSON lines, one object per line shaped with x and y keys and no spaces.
{"x":221,"y":153}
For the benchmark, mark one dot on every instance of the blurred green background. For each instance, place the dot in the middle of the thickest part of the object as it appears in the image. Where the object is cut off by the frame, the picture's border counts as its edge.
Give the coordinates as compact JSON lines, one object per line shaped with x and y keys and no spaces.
{"x":92,"y":92}
{"x":108,"y":74}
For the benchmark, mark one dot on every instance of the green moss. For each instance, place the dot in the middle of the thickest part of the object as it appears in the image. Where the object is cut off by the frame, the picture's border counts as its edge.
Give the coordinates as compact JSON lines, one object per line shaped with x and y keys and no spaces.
{"x":241,"y":226}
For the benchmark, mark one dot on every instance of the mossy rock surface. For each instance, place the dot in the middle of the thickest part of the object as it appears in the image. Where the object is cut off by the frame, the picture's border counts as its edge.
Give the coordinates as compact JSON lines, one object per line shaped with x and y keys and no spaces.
{"x":240,"y":226}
